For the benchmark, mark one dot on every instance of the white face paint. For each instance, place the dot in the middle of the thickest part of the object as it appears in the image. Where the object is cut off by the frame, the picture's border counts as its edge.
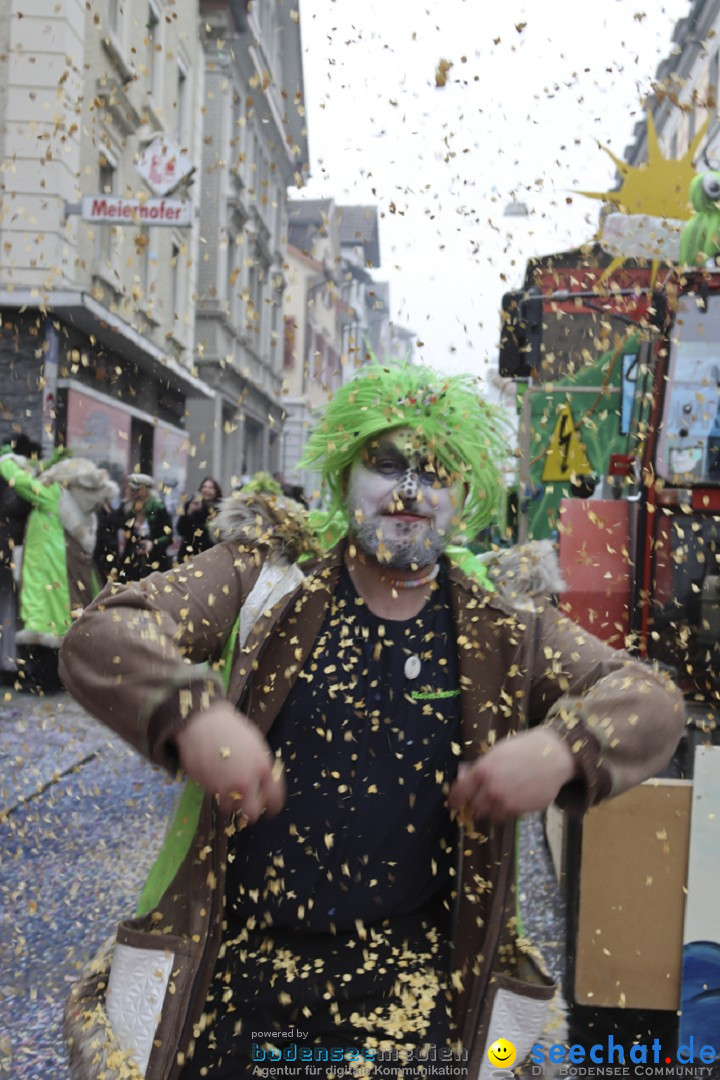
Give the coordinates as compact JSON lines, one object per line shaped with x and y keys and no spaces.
{"x":402,"y":504}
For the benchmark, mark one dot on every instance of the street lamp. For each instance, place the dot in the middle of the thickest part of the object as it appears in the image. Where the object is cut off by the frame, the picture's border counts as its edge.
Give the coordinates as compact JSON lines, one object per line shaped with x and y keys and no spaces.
{"x":516,"y":209}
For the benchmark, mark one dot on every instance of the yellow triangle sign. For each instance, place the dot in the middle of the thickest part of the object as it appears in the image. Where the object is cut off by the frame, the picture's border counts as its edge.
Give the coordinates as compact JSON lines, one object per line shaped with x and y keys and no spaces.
{"x":565,"y":453}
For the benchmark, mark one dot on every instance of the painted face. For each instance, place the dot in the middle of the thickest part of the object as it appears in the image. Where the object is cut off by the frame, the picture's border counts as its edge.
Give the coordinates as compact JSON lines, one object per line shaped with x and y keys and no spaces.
{"x":402,"y":504}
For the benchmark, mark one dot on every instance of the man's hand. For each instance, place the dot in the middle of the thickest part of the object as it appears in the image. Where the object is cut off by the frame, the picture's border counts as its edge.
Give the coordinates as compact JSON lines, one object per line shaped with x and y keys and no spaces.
{"x":223,"y":752}
{"x":518,"y":776}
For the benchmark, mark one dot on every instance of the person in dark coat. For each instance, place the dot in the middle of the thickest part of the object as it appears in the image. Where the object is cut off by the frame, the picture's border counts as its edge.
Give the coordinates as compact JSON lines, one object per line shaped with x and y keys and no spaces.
{"x":110,"y":520}
{"x":193,"y":523}
{"x":148,"y":531}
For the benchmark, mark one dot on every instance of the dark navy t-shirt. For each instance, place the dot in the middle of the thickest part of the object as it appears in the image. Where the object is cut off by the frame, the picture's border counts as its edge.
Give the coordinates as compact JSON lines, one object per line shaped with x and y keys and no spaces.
{"x":370,"y":745}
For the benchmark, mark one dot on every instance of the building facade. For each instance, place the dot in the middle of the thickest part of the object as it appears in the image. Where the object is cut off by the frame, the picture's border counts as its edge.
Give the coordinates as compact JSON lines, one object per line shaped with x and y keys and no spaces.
{"x":97,"y":263}
{"x":686,"y":89}
{"x":368,"y":333}
{"x":315,"y":315}
{"x":254,"y":147}
{"x":336,"y":314}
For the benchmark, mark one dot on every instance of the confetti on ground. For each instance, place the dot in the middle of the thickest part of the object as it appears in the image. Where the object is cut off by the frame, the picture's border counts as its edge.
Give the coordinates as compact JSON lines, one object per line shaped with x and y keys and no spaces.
{"x":75,"y":845}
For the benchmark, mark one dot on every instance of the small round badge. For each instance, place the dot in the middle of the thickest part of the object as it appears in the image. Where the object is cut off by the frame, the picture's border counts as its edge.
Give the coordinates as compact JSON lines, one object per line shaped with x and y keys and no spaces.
{"x":412,"y":667}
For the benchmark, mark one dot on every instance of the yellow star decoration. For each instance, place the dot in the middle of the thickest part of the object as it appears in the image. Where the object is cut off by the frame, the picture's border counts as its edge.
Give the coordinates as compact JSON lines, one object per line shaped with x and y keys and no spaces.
{"x":659,"y":187}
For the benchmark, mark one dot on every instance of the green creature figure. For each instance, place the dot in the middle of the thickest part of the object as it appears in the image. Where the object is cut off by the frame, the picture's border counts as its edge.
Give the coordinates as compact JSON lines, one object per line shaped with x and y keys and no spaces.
{"x":700,"y":238}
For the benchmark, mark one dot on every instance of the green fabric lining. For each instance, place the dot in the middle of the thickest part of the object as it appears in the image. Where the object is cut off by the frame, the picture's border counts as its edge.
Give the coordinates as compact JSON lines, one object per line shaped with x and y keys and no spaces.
{"x":471,"y":565}
{"x":183,"y":826}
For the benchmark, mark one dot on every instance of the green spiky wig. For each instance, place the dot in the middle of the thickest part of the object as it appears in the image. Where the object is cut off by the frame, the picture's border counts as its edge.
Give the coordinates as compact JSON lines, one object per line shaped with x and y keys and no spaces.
{"x":468,"y":436}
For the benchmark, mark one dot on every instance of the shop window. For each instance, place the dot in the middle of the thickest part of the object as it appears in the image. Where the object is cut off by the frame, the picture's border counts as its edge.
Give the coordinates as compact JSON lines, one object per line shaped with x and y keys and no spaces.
{"x":113,"y":16}
{"x":141,"y":445}
{"x":182,"y":95}
{"x":289,"y":343}
{"x":177,"y":285}
{"x":105,"y":234}
{"x":153,"y":50}
{"x":713,"y":79}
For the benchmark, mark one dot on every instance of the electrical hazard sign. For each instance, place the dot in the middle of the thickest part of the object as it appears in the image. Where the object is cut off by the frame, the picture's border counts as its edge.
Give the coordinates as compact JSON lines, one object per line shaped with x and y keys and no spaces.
{"x":565,"y":455}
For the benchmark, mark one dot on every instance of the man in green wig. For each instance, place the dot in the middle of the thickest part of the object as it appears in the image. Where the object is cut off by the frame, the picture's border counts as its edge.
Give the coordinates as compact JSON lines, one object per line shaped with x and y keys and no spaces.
{"x":363,"y":713}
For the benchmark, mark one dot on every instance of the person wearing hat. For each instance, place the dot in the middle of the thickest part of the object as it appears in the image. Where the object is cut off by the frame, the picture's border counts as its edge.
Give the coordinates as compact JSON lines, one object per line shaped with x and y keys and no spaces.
{"x":58,"y":576}
{"x":147,"y":530}
{"x":363,"y":712}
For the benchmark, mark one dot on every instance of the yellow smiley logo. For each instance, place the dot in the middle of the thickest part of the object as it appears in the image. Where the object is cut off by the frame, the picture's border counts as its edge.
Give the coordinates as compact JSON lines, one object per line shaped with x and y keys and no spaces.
{"x":502,"y":1053}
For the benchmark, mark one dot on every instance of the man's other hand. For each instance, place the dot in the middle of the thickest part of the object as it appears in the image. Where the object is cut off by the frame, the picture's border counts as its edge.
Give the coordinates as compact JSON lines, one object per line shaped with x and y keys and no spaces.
{"x":517,"y":776}
{"x":223,"y":752}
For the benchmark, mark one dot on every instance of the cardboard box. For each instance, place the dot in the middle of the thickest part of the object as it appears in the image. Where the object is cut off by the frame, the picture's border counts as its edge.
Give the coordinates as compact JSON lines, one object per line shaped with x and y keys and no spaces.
{"x":632,"y":898}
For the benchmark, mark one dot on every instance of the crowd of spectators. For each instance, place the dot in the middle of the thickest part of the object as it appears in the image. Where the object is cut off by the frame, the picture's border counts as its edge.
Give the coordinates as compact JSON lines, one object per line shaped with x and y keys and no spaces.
{"x":133,"y":533}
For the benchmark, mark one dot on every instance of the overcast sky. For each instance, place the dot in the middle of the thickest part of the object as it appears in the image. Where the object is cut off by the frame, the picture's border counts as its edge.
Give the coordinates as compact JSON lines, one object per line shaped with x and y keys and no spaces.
{"x":533,"y":87}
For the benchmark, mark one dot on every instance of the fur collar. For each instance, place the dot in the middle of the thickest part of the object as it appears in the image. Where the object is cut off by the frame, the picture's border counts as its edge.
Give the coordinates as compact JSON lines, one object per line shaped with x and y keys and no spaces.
{"x":272,"y":521}
{"x":79,"y":524}
{"x":523,"y":575}
{"x":84,"y":488}
{"x":81,"y":473}
{"x":526,"y":574}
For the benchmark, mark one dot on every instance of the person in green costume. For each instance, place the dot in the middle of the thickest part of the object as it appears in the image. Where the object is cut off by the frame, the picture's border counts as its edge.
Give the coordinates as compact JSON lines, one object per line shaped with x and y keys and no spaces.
{"x":58,"y":575}
{"x":13,"y":518}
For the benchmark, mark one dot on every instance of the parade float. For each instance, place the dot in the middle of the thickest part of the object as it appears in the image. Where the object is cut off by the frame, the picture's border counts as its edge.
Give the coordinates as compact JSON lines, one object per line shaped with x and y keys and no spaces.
{"x":614,"y":350}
